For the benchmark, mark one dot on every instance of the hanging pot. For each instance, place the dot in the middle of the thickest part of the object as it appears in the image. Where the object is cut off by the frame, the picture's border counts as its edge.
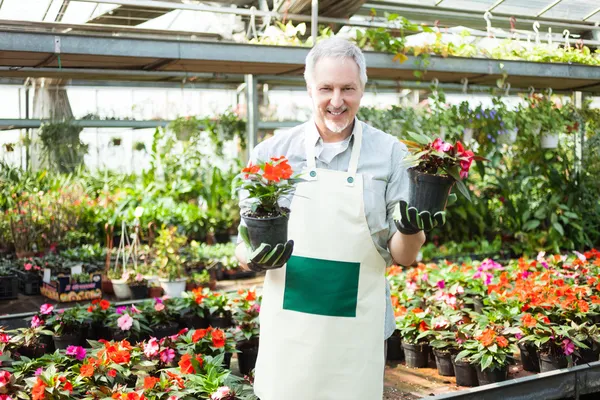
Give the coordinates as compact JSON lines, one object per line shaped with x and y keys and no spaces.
{"x":416,"y":355}
{"x":443,"y":361}
{"x":491,"y":376}
{"x":550,"y":362}
{"x":529,"y":357}
{"x":394,"y":347}
{"x":271,"y":230}
{"x":428,"y":192}
{"x":173,"y":288}
{"x":549,"y":140}
{"x":121,"y":289}
{"x":465,"y":373}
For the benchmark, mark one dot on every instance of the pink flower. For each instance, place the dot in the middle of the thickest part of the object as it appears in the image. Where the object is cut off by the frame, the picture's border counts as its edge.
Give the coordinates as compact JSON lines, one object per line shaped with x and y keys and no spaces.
{"x":125,"y":322}
{"x":139,"y":277}
{"x":172,"y":398}
{"x":151,"y":348}
{"x":5,"y":397}
{"x":36,"y":321}
{"x":439,"y":145}
{"x":28,"y":267}
{"x":568,"y":347}
{"x":460,"y":289}
{"x":159,"y":307}
{"x":525,"y":274}
{"x":39,"y":371}
{"x":134,"y":309}
{"x":4,"y":338}
{"x":255,"y":308}
{"x":221,"y":393}
{"x":441,"y":284}
{"x":440,"y":322}
{"x":167,"y":355}
{"x":77,"y":351}
{"x":4,"y":379}
{"x":581,"y":257}
{"x":46,"y":309}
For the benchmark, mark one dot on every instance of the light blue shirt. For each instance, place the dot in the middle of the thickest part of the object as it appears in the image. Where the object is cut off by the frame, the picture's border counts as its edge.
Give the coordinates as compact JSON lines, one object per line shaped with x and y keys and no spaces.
{"x":385,"y":180}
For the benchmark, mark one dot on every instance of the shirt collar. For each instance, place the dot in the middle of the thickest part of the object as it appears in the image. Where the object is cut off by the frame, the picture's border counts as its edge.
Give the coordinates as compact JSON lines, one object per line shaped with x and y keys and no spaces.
{"x":312,"y":133}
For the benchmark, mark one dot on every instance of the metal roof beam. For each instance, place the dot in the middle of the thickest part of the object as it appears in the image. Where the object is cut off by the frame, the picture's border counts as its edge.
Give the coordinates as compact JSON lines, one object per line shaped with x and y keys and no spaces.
{"x":590,"y":15}
{"x":548,"y":8}
{"x":496,"y":4}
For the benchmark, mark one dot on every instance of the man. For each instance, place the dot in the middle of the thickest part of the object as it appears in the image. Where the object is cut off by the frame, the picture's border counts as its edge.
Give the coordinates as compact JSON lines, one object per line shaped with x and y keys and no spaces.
{"x":326,"y":313}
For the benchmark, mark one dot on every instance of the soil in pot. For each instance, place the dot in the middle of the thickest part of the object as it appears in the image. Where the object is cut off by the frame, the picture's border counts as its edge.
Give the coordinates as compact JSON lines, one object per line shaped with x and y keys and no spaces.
{"x":270,"y":229}
{"x":64,"y":341}
{"x":491,"y":376}
{"x":222,"y":320}
{"x":161,"y":331}
{"x":549,"y":362}
{"x":428,"y":192}
{"x":465,"y":373}
{"x":416,"y":355}
{"x":247,"y":355}
{"x":443,"y":360}
{"x":138,"y":291}
{"x":394,"y":348}
{"x":529,"y":357}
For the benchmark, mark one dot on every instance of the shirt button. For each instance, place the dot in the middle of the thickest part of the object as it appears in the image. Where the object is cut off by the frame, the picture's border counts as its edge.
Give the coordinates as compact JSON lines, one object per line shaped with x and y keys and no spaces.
{"x":350,"y":179}
{"x":313,"y":173}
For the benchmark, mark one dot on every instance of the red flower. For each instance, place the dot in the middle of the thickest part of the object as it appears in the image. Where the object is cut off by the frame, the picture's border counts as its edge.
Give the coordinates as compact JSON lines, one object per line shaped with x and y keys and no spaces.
{"x":251,"y":295}
{"x":198,"y":334}
{"x":68,"y":386}
{"x":38,"y":392}
{"x":112,"y":373}
{"x":104,"y":304}
{"x":150,"y":382}
{"x":218,"y":338}
{"x":186,"y":363}
{"x":271,"y":173}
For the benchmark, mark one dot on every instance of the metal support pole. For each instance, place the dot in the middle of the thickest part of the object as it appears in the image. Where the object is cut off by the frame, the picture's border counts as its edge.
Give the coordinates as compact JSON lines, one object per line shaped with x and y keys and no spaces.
{"x":314,"y":21}
{"x":27,"y":131}
{"x":252,"y":112}
{"x":580,"y":138}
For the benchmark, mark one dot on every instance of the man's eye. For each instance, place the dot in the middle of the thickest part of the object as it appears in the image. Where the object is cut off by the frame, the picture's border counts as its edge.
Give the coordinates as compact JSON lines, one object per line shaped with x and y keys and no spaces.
{"x":325,"y":89}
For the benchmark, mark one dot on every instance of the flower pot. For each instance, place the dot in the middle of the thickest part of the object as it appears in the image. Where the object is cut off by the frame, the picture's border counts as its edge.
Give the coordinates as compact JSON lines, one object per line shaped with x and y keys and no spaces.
{"x":443,"y":361}
{"x":165,"y":330}
{"x":118,"y":335}
{"x":100,"y":331}
{"x":428,"y":192}
{"x":194,"y":321}
{"x":121,"y":289}
{"x":33,"y":351}
{"x":64,"y":341}
{"x":465,"y":373}
{"x":155,"y":291}
{"x":173,"y":288}
{"x":416,"y":355}
{"x":271,"y":230}
{"x":106,"y":285}
{"x":227,"y":360}
{"x":549,"y":362}
{"x":587,"y":356}
{"x":222,"y":321}
{"x":549,"y":140}
{"x":394,"y":348}
{"x":529,"y":357}
{"x":139,"y":291}
{"x":247,"y":356}
{"x":491,"y":376}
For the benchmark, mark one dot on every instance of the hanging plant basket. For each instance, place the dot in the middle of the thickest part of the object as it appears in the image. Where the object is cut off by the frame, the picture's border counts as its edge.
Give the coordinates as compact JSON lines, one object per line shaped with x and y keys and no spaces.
{"x":428,"y":192}
{"x":549,"y":140}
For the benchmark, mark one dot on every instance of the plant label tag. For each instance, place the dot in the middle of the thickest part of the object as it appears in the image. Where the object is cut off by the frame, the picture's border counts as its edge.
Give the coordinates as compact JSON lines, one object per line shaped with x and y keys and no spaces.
{"x":47,"y":274}
{"x":77,"y":269}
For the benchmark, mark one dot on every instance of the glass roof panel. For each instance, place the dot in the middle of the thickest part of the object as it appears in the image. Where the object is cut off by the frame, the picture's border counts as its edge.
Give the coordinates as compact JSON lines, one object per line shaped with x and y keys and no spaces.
{"x":471,"y":5}
{"x":24,"y":10}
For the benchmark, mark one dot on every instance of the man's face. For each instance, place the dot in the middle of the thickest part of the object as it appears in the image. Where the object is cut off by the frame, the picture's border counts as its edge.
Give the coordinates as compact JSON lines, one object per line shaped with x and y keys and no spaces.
{"x":336,"y":92}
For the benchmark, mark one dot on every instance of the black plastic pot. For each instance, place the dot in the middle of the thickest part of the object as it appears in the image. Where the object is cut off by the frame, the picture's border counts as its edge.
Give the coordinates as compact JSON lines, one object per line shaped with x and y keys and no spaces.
{"x":416,"y":355}
{"x":465,"y":373}
{"x":428,"y":192}
{"x":443,"y":361}
{"x":194,"y":321}
{"x":64,"y":341}
{"x":267,"y":230}
{"x":33,"y":351}
{"x":587,"y":356}
{"x":162,"y":331}
{"x":491,"y":376}
{"x":529,"y":357}
{"x":138,"y":291}
{"x":222,"y":321}
{"x":247,"y":356}
{"x":394,"y":348}
{"x":227,"y":360}
{"x":100,"y":331}
{"x":552,"y":363}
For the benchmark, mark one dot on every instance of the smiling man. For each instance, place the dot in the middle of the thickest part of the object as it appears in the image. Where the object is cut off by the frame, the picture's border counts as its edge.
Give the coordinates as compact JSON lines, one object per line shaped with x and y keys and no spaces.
{"x":327,"y":311}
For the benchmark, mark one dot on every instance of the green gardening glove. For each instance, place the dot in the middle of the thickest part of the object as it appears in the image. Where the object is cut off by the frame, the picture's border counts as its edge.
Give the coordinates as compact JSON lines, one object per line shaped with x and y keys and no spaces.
{"x":413,"y":221}
{"x":265,"y":257}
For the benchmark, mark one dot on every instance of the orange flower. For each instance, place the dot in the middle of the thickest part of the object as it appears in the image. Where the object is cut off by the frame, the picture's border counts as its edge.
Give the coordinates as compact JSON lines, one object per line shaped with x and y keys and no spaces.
{"x":150,"y":382}
{"x":528,"y":320}
{"x":423,"y":326}
{"x":198,"y":334}
{"x":284,"y":170}
{"x":583,"y":306}
{"x":174,"y":378}
{"x":502,"y":341}
{"x":251,"y":169}
{"x":186,"y":363}
{"x":86,"y":370}
{"x":251,"y":295}
{"x":487,"y":337}
{"x":271,"y":173}
{"x":218,"y":338}
{"x":104,"y":304}
{"x":38,"y":392}
{"x":417,"y":310}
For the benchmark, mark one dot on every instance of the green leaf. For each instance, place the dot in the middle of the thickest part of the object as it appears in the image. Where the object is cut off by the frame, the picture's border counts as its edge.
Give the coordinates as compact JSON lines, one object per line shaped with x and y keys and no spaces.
{"x":559,"y":228}
{"x":486,"y":361}
{"x":530,"y":225}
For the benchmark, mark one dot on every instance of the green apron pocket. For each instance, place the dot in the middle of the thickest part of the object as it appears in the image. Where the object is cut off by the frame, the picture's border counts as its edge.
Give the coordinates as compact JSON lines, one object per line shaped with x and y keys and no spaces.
{"x":321,"y":287}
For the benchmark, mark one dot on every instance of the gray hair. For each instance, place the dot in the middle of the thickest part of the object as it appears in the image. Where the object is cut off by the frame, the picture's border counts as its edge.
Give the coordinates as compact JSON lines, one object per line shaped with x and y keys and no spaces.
{"x":337,"y":48}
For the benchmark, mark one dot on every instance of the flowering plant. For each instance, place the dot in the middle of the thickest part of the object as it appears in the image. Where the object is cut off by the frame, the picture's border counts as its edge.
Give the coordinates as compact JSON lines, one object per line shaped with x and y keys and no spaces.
{"x":67,"y":321}
{"x":440,"y":158}
{"x":266,"y":182}
{"x":492,"y":348}
{"x":209,"y":341}
{"x":245,"y":315}
{"x":412,"y":324}
{"x":159,"y":313}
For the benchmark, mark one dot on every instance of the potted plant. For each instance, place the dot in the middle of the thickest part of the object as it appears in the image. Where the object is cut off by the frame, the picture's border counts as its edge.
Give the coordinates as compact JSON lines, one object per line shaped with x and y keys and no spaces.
{"x":138,"y":286}
{"x":544,"y":116}
{"x":127,"y":323}
{"x":211,"y":342}
{"x":219,"y":310}
{"x":443,"y":340}
{"x":99,"y":311}
{"x":185,"y":127}
{"x":139,"y":146}
{"x":529,"y":342}
{"x":30,"y":342}
{"x":192,"y":309}
{"x":160,"y":316}
{"x":200,"y":279}
{"x":245,"y":316}
{"x":67,"y":325}
{"x":169,"y":260}
{"x":265,"y":183}
{"x":411,"y":325}
{"x":433,"y":169}
{"x":119,"y":277}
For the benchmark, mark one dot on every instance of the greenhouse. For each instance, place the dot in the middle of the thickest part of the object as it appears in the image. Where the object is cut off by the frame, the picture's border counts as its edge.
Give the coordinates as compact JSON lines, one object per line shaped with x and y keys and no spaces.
{"x":293,"y":199}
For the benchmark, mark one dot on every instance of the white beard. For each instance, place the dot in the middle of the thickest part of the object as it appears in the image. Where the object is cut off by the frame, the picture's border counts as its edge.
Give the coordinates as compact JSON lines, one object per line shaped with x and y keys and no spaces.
{"x":336,"y":127}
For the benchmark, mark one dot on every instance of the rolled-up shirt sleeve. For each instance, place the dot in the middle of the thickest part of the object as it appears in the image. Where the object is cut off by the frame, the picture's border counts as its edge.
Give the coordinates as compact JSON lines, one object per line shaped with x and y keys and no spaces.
{"x":397,"y":188}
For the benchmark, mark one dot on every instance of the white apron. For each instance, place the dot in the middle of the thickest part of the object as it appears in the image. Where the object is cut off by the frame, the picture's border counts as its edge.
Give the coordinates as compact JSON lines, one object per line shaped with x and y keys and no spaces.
{"x":322,"y":315}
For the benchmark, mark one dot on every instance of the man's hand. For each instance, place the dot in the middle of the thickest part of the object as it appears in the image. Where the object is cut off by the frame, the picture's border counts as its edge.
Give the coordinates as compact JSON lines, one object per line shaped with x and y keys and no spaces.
{"x":412,"y":221}
{"x":265,"y":257}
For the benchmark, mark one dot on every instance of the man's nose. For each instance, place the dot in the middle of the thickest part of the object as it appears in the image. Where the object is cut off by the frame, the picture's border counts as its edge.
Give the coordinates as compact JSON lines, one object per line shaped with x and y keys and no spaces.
{"x":336,"y":100}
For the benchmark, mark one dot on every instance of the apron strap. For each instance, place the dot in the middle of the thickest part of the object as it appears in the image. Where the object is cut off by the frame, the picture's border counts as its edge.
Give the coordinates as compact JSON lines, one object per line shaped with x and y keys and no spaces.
{"x":352,"y":166}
